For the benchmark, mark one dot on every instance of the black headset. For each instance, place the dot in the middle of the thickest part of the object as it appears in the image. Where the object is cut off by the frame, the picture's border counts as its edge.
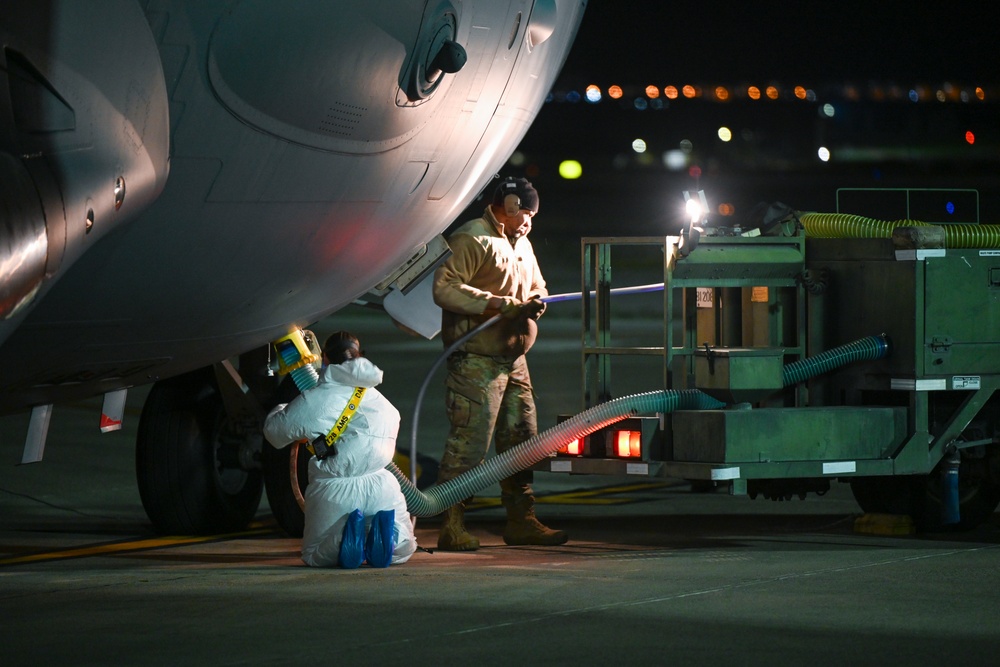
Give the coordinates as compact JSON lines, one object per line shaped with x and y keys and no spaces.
{"x":511,"y":202}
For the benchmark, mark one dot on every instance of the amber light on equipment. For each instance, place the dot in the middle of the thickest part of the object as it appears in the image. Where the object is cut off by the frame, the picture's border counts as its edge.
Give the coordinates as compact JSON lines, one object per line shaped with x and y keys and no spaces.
{"x":627,"y":444}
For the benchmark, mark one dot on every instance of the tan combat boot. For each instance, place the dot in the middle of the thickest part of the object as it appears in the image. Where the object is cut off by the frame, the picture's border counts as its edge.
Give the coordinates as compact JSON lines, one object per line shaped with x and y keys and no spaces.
{"x":454,"y":536}
{"x":523,"y":527}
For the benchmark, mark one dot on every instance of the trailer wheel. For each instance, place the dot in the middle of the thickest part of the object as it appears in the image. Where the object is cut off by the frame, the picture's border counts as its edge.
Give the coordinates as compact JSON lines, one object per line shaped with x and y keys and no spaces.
{"x":187,"y":460}
{"x":885,"y":495}
{"x":978,"y":494}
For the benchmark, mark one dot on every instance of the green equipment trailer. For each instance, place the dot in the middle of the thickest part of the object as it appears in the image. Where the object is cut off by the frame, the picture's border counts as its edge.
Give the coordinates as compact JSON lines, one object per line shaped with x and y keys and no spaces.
{"x":914,"y":429}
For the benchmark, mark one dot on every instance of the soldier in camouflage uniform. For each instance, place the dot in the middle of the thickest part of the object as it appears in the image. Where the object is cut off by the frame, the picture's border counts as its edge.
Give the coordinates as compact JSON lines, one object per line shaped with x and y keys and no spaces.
{"x":492,"y":270}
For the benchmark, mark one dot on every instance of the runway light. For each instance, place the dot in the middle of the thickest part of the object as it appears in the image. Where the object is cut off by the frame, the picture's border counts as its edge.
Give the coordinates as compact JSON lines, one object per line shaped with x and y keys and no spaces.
{"x":652,"y":92}
{"x":828,"y":110}
{"x":671,"y":92}
{"x":689,"y":91}
{"x":800,"y":92}
{"x":721,"y":93}
{"x":824,"y":153}
{"x":639,"y":146}
{"x":615,"y":92}
{"x":725,"y":134}
{"x":628,"y":444}
{"x":970,"y":138}
{"x":772,"y":93}
{"x":753,"y":92}
{"x":593,"y":93}
{"x":570,"y":170}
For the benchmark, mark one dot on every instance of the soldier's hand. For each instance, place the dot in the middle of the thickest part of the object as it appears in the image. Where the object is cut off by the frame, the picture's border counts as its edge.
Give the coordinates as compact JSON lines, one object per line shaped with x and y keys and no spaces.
{"x":511,"y":308}
{"x":533,"y":308}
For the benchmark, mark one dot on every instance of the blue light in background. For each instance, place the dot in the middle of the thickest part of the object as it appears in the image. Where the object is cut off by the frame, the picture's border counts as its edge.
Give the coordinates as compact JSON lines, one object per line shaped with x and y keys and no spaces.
{"x":950,"y":207}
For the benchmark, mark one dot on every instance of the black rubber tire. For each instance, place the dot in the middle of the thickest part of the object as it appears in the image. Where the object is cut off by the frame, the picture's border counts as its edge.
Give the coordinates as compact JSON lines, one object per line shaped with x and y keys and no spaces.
{"x":183,"y":486}
{"x":278,"y":486}
{"x":885,"y":495}
{"x":977,"y":500}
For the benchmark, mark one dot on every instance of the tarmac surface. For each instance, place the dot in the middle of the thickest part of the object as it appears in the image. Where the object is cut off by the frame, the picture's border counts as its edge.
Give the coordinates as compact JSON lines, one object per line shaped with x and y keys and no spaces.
{"x":653,"y":573}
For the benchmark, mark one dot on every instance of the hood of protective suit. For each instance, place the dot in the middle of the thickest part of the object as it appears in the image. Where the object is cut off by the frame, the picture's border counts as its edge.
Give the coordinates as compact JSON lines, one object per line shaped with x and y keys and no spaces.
{"x":357,"y":372}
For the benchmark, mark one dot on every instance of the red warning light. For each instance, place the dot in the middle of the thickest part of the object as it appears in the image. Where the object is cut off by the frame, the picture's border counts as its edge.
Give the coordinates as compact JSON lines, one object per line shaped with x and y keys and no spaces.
{"x":574,"y":448}
{"x":970,"y":138}
{"x":628,"y":444}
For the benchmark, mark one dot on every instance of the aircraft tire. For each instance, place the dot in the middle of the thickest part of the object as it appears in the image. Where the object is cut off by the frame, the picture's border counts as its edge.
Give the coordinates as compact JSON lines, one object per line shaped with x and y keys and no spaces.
{"x":278,"y":486}
{"x":182,"y":448}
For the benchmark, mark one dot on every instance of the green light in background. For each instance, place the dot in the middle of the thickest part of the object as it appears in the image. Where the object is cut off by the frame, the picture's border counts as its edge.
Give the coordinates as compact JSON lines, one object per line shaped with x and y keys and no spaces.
{"x":570,"y":169}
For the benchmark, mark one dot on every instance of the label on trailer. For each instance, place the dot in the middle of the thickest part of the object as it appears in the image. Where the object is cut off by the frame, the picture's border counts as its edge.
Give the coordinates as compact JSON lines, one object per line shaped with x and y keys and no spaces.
{"x":561,"y":466}
{"x":637,"y":469}
{"x":923,"y":253}
{"x":838,"y":467}
{"x":966,"y":382}
{"x":918,"y":385}
{"x":704,"y":297}
{"x":725,"y":473}
{"x":989,"y":253}
{"x":758,"y":295}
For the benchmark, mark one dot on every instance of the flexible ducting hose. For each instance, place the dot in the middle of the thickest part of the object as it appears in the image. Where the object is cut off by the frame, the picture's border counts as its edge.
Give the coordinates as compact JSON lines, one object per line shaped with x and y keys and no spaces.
{"x":439,"y":497}
{"x":841,"y":225}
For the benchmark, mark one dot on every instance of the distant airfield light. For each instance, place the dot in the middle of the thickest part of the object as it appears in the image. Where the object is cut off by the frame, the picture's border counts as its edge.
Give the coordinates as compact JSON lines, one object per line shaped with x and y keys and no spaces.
{"x":675,"y":160}
{"x":810,"y":95}
{"x":517,"y":159}
{"x":824,"y":153}
{"x":950,"y":207}
{"x":800,"y":92}
{"x":964,"y":96}
{"x":615,"y":92}
{"x":689,"y":91}
{"x":726,"y":209}
{"x":913,"y":95}
{"x":639,"y":146}
{"x":970,"y":138}
{"x":640,"y":103}
{"x":573,"y":96}
{"x":694,"y":171}
{"x":721,"y":93}
{"x":652,"y":92}
{"x":593,"y":94}
{"x":828,"y":110}
{"x":725,"y":134}
{"x":753,"y":92}
{"x":940,"y":96}
{"x":671,"y":92}
{"x":686,"y":146}
{"x":980,"y":93}
{"x":570,"y":170}
{"x":772,"y":93}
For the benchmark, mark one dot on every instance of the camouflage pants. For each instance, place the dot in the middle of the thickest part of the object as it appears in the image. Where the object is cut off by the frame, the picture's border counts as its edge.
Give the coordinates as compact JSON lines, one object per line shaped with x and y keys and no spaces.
{"x":487,"y":397}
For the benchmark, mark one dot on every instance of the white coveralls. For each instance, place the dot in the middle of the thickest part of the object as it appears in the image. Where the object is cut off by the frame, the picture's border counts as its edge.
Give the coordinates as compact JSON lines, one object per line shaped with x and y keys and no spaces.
{"x":356,"y":477}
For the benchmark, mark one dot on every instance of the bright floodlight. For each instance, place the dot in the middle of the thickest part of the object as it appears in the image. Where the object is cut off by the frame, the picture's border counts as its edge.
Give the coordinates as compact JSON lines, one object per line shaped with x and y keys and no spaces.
{"x":725,"y":134}
{"x":639,"y":146}
{"x":694,"y":210}
{"x":824,"y":153}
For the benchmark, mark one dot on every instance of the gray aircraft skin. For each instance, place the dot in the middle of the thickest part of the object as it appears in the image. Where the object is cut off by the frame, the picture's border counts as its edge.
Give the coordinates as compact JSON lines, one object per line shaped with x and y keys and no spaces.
{"x":184,"y":181}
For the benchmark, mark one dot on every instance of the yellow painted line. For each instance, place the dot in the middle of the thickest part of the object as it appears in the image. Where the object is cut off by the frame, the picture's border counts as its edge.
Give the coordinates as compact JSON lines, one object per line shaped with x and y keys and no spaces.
{"x":134,"y":545}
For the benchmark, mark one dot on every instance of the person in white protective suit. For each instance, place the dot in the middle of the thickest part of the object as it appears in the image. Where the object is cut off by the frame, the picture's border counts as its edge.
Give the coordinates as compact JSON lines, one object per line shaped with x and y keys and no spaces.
{"x":350,"y":485}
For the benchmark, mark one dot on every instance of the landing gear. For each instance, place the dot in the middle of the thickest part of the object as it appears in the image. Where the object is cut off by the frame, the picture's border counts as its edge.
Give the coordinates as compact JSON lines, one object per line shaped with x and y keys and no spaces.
{"x":192,"y":463}
{"x":283,"y":469}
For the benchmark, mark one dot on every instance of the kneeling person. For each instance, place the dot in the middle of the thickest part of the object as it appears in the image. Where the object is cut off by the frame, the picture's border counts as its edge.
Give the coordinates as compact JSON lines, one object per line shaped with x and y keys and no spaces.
{"x":350,"y":493}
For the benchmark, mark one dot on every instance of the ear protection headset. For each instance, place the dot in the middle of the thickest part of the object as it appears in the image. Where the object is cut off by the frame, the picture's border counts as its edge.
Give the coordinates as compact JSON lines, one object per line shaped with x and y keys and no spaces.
{"x":511,"y":205}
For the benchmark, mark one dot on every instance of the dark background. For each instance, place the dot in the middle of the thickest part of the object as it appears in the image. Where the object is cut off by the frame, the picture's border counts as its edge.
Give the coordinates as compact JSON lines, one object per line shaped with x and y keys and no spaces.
{"x":861,"y":58}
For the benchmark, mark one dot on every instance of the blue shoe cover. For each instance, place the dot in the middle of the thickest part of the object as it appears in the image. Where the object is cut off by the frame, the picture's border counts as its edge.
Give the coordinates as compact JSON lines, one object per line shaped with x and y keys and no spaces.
{"x":381,"y":539}
{"x":352,"y":552}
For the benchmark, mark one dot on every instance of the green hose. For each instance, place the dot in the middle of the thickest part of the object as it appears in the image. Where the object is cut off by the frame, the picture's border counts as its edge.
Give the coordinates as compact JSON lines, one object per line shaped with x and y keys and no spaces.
{"x":842,"y":225}
{"x":440,"y":497}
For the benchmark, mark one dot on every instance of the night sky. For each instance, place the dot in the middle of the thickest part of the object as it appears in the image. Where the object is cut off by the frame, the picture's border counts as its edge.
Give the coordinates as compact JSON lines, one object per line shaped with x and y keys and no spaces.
{"x":823,"y":46}
{"x":886,"y":40}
